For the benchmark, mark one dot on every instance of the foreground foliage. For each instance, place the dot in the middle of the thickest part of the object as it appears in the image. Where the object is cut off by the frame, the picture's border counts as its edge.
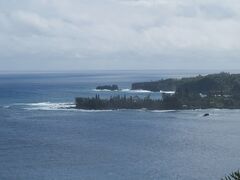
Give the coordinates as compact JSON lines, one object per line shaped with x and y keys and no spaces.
{"x":233,"y":176}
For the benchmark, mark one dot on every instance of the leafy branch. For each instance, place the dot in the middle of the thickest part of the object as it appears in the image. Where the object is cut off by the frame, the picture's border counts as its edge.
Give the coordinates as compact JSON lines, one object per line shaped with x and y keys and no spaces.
{"x":233,"y":176}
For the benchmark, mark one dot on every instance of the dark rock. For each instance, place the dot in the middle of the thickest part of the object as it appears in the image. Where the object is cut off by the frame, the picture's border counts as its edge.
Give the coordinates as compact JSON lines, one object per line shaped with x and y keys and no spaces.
{"x":108,"y":87}
{"x":206,"y":114}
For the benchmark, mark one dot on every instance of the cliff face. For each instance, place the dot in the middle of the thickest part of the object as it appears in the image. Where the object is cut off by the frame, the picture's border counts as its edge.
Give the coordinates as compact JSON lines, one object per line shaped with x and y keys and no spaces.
{"x":164,"y":85}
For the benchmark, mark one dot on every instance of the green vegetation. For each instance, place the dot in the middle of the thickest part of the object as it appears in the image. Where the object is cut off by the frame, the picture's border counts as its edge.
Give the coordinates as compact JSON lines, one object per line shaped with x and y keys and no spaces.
{"x":211,"y":91}
{"x":156,"y":86}
{"x":233,"y":176}
{"x":214,"y":83}
{"x":123,"y":102}
{"x":201,"y":92}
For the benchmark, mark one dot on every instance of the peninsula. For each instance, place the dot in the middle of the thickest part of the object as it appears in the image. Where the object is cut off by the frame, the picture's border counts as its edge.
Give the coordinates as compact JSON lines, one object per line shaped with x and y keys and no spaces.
{"x":201,"y":92}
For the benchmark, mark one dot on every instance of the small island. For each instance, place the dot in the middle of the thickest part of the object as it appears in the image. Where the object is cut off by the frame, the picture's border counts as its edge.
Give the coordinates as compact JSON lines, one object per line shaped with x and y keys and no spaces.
{"x":201,"y":92}
{"x":108,"y":87}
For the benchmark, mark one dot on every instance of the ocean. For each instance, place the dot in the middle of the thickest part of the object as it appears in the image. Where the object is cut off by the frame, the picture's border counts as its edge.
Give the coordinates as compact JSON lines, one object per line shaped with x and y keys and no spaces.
{"x":41,"y":138}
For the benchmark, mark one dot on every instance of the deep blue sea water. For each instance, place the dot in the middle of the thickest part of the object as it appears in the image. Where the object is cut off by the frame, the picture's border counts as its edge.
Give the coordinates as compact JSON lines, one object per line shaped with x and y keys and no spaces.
{"x":40,"y":140}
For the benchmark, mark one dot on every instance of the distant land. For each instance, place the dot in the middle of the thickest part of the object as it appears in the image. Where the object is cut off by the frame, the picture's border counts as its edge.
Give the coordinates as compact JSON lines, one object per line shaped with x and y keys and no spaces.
{"x":201,"y":92}
{"x":113,"y":87}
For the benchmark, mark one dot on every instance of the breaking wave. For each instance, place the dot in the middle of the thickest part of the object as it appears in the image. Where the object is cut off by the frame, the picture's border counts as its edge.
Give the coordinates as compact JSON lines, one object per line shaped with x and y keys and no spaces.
{"x":167,"y":92}
{"x":123,"y":90}
{"x":136,"y":91}
{"x":163,"y":111}
{"x":133,"y":91}
{"x":104,"y":90}
{"x":5,"y":107}
{"x":48,"y":106}
{"x":90,"y":110}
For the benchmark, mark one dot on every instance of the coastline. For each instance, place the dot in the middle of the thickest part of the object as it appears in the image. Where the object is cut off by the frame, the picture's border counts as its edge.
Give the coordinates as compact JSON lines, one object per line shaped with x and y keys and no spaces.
{"x":200,"y":92}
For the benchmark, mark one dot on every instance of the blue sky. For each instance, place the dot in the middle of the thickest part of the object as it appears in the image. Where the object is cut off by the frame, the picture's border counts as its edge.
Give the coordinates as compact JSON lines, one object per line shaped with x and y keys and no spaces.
{"x":56,"y":35}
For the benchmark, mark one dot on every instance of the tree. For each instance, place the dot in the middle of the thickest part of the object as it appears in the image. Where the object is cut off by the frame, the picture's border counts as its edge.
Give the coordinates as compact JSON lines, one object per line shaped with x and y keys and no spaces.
{"x":233,"y":176}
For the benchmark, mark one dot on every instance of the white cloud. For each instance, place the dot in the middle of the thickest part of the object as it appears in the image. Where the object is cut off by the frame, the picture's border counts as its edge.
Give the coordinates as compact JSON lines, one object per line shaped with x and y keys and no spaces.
{"x":99,"y":31}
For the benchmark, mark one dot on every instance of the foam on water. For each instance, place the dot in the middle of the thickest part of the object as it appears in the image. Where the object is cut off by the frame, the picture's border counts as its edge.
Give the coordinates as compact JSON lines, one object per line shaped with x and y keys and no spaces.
{"x":69,"y":106}
{"x":123,"y":90}
{"x":163,"y":111}
{"x":5,"y":107}
{"x":50,"y":106}
{"x":136,"y":91}
{"x":66,"y":106}
{"x":103,"y":90}
{"x":133,"y":91}
{"x":167,"y":92}
{"x":46,"y":106}
{"x":90,"y":110}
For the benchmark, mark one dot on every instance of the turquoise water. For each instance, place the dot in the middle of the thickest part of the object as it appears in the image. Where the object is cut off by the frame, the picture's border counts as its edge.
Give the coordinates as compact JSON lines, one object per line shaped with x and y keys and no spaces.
{"x":41,"y":139}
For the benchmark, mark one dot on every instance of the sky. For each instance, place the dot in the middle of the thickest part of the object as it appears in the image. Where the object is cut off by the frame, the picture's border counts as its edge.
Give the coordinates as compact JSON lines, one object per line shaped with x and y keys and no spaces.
{"x":71,"y":35}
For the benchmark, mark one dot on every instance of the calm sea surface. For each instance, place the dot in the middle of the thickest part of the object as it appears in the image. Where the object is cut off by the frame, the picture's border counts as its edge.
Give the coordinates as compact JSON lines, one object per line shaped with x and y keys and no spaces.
{"x":42,"y":140}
